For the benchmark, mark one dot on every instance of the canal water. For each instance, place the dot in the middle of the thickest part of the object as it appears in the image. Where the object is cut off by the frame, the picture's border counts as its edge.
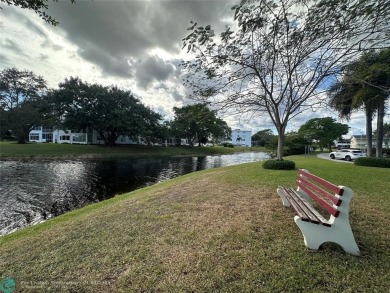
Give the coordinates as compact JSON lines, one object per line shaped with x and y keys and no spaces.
{"x":33,"y":191}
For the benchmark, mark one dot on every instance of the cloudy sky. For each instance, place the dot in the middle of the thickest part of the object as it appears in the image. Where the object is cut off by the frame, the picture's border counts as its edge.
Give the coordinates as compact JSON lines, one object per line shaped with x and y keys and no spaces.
{"x":134,"y":44}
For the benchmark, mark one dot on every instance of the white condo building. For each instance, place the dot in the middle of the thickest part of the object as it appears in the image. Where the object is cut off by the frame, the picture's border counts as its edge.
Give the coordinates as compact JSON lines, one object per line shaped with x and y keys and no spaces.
{"x":241,"y":137}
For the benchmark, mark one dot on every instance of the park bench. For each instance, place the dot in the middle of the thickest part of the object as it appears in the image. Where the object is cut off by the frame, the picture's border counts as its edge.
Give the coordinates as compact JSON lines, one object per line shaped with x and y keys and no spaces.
{"x":313,"y":192}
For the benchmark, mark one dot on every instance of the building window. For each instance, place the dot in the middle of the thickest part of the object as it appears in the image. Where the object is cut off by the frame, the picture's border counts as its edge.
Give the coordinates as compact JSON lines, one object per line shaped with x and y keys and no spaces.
{"x":64,"y":137}
{"x":47,"y":136}
{"x":34,"y":136}
{"x":47,"y":129}
{"x":79,"y":138}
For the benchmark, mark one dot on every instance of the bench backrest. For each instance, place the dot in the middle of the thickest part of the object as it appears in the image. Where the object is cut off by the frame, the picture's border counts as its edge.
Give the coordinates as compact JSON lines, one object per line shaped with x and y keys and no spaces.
{"x":326,"y":194}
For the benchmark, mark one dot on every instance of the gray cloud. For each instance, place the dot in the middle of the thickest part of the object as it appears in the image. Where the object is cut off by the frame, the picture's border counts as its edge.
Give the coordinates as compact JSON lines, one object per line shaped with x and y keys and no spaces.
{"x":43,"y":57}
{"x":32,"y":26}
{"x":4,"y":60}
{"x":47,"y":43}
{"x":15,"y":14}
{"x":110,"y":32}
{"x":110,"y":64}
{"x":13,"y":46}
{"x":177,"y":96}
{"x":152,"y":69}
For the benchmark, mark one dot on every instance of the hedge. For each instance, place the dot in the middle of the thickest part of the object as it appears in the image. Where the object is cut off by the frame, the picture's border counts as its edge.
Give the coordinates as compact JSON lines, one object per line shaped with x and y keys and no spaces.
{"x":373,"y":162}
{"x":279,"y":165}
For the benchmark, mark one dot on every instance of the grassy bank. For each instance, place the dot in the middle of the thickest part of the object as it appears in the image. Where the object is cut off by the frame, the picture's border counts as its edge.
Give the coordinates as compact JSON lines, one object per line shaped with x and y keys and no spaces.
{"x":219,"y":230}
{"x":12,"y":150}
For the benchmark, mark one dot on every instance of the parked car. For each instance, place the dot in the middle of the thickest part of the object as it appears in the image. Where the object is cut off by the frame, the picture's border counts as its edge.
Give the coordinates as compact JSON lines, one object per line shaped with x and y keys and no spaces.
{"x":347,"y":154}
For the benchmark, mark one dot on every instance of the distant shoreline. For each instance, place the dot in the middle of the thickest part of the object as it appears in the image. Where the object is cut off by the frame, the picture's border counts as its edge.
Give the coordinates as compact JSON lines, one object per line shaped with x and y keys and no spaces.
{"x":11,"y":151}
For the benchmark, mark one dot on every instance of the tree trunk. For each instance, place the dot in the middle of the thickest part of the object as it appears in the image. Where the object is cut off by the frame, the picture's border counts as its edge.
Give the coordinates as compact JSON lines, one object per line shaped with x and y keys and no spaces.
{"x":112,"y":136}
{"x":281,"y":138}
{"x":21,"y":139}
{"x":379,"y":129}
{"x":369,"y":131}
{"x":22,"y":135}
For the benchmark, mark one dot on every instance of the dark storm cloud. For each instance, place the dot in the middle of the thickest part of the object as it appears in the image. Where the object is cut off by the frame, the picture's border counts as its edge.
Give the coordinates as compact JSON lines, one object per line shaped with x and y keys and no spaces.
{"x":110,"y":32}
{"x":152,"y":69}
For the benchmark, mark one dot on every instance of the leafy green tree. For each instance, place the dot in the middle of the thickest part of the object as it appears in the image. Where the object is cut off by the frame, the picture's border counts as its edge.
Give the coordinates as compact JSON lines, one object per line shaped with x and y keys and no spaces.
{"x":109,"y":110}
{"x":38,"y":6}
{"x":17,"y":86}
{"x":365,"y":85}
{"x":21,"y":96}
{"x":262,"y":137}
{"x":198,"y":123}
{"x":151,"y":130}
{"x":294,"y":144}
{"x":280,"y":59}
{"x":323,"y":130}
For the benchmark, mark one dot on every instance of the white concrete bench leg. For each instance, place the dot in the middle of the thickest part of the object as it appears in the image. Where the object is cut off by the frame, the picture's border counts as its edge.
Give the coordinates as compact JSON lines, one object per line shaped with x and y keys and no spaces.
{"x":314,"y":235}
{"x":285,"y":201}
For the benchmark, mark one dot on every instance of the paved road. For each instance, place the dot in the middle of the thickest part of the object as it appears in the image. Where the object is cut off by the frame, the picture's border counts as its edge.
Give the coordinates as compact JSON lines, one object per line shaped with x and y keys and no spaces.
{"x":325,"y":156}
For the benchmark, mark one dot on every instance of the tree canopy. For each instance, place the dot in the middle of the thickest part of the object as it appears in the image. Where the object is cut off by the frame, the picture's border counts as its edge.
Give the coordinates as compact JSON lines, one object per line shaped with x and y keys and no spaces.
{"x":323,"y":130}
{"x":17,"y":86}
{"x":198,"y":124}
{"x":109,"y":110}
{"x":365,"y":84}
{"x":282,"y":55}
{"x":262,"y":137}
{"x":21,"y":101}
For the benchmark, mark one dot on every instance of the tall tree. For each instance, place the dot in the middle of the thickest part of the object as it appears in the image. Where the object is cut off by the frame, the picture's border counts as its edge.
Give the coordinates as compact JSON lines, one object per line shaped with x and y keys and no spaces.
{"x":323,"y":130}
{"x":262,"y":137}
{"x":38,"y":6}
{"x":364,"y":85}
{"x":17,"y":86}
{"x":386,"y":134}
{"x":21,"y":94}
{"x":283,"y":54}
{"x":109,"y":110}
{"x":198,"y":123}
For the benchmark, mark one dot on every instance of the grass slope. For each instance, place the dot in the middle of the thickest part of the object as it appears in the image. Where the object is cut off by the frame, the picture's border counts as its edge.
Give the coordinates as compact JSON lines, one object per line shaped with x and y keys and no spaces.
{"x":219,"y":230}
{"x":12,"y":150}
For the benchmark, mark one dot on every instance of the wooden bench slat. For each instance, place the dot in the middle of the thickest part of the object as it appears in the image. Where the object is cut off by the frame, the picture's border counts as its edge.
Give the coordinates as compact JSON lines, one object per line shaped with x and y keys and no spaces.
{"x":303,"y":209}
{"x":325,"y":183}
{"x":330,"y":198}
{"x":314,"y":215}
{"x":319,"y":218}
{"x":295,"y":206}
{"x":330,"y":209}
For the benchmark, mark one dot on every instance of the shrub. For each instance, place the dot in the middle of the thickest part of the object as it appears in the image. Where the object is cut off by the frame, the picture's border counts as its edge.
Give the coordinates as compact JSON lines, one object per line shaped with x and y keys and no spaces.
{"x":373,"y":162}
{"x":386,"y":153}
{"x":279,"y":165}
{"x":228,"y":145}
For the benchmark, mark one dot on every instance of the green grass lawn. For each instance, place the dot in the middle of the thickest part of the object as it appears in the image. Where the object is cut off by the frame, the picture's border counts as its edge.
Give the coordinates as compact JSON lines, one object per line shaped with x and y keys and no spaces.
{"x":12,"y":150}
{"x":218,"y":230}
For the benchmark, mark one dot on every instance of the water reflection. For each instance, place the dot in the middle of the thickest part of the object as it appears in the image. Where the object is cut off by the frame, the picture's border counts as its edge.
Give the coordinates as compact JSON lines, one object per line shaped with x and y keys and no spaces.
{"x":32,"y":191}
